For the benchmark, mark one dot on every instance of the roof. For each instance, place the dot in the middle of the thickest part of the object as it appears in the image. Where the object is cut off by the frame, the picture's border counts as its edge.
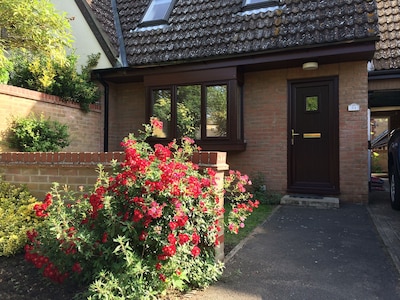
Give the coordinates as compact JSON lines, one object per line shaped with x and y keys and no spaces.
{"x":387,"y":54}
{"x":207,"y":29}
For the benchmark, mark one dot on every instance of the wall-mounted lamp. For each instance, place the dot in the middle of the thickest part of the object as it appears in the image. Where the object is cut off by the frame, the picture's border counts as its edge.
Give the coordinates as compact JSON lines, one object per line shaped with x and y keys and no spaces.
{"x":308,"y":66}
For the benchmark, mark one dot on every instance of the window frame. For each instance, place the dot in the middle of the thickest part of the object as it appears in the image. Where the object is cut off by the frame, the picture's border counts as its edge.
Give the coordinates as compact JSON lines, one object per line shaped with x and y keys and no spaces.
{"x":261,"y":4}
{"x":234,"y":139}
{"x":158,"y":21}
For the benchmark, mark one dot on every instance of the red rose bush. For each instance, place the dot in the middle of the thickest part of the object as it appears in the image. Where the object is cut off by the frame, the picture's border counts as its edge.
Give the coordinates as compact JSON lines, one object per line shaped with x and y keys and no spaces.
{"x":149,"y":226}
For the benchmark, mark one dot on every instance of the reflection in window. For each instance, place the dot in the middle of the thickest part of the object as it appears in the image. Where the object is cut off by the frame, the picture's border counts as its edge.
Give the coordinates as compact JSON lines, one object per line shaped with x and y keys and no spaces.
{"x":162,"y":111}
{"x":197,"y":111}
{"x":188,"y":110}
{"x":157,"y":12}
{"x":216,"y":111}
{"x":312,"y":103}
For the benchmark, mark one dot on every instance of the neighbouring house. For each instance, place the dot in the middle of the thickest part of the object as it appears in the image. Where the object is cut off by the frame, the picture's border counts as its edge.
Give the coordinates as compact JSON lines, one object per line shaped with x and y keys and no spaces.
{"x":280,"y":85}
{"x":89,"y":38}
{"x":384,"y":80}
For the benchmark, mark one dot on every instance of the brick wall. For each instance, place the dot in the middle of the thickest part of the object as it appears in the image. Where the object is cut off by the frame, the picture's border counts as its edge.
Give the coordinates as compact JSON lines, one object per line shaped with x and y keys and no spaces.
{"x":126,"y":113}
{"x":85,"y":129}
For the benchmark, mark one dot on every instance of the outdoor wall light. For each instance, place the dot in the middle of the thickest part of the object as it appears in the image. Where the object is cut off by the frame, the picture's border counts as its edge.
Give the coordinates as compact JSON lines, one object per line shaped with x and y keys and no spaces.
{"x":308,"y":66}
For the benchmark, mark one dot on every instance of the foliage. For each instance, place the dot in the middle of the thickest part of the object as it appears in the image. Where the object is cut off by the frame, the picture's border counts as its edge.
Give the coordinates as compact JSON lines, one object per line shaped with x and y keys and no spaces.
{"x":37,"y":134}
{"x":149,"y":227}
{"x":256,"y":218}
{"x":17,"y":217}
{"x":259,"y":189}
{"x":51,"y":77}
{"x":33,"y":25}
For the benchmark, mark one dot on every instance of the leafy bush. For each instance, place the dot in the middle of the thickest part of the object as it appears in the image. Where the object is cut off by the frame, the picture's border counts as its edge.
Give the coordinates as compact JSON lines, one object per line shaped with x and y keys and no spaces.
{"x":44,"y":75}
{"x":37,"y":134}
{"x":149,"y":227}
{"x":17,"y":217}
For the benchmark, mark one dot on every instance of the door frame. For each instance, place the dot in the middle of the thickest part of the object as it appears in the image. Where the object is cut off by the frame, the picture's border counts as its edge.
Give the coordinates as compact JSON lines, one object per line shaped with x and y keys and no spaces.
{"x":333,"y":131}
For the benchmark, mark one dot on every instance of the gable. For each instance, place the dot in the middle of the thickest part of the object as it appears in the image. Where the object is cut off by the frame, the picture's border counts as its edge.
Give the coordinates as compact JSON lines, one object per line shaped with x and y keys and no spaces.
{"x":200,"y":30}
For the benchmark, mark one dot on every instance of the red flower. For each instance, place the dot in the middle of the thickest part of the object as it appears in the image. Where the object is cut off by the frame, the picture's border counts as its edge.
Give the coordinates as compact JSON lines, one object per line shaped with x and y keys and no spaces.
{"x":104,"y":238}
{"x":171,"y":239}
{"x":183,"y":238}
{"x":143,"y":236}
{"x":195,"y":238}
{"x":158,"y":266}
{"x":181,"y":220}
{"x":156,"y":123}
{"x":169,"y":250}
{"x":77,"y":267}
{"x":195,"y":251}
{"x":162,"y":277}
{"x":137,"y":215}
{"x":173,"y":225}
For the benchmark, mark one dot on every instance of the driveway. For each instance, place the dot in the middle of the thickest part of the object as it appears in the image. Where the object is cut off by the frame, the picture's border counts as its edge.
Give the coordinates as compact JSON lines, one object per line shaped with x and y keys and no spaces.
{"x":310,"y":253}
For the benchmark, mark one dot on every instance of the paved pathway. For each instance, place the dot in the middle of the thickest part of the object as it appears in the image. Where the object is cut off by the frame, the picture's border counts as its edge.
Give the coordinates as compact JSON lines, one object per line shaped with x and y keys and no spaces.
{"x":309,"y":253}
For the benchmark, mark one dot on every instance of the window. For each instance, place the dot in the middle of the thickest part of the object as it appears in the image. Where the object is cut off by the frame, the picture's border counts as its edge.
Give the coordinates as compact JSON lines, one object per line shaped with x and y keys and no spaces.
{"x":208,"y":112}
{"x":157,"y":12}
{"x":254,"y":4}
{"x":196,"y":111}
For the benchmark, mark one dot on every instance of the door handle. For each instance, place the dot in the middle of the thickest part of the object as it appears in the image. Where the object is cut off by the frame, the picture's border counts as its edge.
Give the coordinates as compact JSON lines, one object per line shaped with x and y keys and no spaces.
{"x":293,"y":135}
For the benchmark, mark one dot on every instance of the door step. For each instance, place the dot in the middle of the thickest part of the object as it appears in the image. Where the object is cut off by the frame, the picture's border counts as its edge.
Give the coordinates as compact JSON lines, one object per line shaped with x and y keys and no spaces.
{"x":310,"y":200}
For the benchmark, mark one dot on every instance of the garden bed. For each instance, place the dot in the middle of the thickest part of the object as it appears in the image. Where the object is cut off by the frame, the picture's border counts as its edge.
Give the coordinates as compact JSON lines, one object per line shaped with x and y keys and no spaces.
{"x":20,"y":280}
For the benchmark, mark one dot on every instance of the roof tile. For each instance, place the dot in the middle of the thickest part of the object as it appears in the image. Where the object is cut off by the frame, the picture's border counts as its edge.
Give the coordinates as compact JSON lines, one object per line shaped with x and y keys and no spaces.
{"x":387,"y":55}
{"x":207,"y":29}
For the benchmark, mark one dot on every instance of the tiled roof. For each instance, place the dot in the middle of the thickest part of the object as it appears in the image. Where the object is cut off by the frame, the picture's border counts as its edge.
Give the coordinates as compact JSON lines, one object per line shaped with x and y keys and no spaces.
{"x":208,"y":29}
{"x":387,"y":55}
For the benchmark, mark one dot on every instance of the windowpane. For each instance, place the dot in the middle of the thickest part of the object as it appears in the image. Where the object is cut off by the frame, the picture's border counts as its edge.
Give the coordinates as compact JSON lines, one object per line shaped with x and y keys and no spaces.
{"x":312,"y":103}
{"x":157,"y":10}
{"x":162,"y":110}
{"x":217,"y":111}
{"x":188,"y":106}
{"x":259,"y":3}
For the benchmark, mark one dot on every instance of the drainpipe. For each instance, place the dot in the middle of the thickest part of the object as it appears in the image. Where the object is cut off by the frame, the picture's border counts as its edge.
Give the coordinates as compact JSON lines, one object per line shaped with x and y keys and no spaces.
{"x":118,"y":28}
{"x":106,"y":108}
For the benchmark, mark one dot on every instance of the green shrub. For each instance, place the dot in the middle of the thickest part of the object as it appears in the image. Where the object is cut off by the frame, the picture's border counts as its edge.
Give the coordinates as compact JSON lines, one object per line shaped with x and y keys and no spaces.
{"x":37,"y":134}
{"x":149,"y":227}
{"x":44,"y":75}
{"x":17,"y":217}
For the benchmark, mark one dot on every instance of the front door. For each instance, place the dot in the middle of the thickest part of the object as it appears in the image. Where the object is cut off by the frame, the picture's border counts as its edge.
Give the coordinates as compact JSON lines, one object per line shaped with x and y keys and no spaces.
{"x":313,"y":141}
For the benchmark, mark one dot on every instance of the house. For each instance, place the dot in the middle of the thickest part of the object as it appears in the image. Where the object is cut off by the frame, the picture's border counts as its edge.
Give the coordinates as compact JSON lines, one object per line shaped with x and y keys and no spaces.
{"x":384,"y":76}
{"x":280,"y":85}
{"x":89,"y":38}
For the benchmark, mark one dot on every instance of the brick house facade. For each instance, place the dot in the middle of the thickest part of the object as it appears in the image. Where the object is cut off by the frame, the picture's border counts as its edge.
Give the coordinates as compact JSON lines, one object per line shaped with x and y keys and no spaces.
{"x":256,"y":54}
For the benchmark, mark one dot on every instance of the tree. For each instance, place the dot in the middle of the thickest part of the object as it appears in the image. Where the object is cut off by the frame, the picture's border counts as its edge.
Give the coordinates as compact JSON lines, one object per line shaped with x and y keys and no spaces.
{"x":35,"y":26}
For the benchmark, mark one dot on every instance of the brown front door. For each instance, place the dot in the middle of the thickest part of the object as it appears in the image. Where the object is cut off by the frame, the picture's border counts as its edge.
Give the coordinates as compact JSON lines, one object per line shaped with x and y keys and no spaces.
{"x":313,"y":142}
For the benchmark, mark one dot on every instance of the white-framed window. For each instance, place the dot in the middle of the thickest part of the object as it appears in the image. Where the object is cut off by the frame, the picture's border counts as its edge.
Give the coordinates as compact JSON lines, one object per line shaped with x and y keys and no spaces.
{"x":157,"y":12}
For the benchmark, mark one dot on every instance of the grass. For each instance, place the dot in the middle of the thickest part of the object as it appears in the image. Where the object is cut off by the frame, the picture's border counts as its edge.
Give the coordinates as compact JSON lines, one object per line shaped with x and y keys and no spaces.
{"x":256,"y":218}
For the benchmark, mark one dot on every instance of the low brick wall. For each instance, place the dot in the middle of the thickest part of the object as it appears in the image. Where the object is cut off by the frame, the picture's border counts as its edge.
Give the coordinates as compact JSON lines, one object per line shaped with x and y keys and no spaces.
{"x":38,"y":171}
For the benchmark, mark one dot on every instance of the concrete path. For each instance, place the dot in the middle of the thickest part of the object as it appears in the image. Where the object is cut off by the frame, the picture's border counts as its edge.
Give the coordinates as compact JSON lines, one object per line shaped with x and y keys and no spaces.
{"x":311,"y":253}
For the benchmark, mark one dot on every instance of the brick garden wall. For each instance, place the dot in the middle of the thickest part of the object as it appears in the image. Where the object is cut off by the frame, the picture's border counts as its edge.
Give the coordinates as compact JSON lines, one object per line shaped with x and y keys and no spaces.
{"x":38,"y":170}
{"x":85,"y":129}
{"x":77,"y":170}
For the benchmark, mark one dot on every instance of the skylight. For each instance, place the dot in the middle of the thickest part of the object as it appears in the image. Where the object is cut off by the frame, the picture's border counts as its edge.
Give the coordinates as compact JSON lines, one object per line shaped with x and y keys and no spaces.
{"x":253,"y":4}
{"x":157,"y":12}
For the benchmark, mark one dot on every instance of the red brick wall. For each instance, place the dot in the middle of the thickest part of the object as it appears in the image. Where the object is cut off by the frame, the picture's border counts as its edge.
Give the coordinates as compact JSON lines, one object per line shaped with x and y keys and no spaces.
{"x":126,"y":113}
{"x":85,"y":129}
{"x":265,"y":125}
